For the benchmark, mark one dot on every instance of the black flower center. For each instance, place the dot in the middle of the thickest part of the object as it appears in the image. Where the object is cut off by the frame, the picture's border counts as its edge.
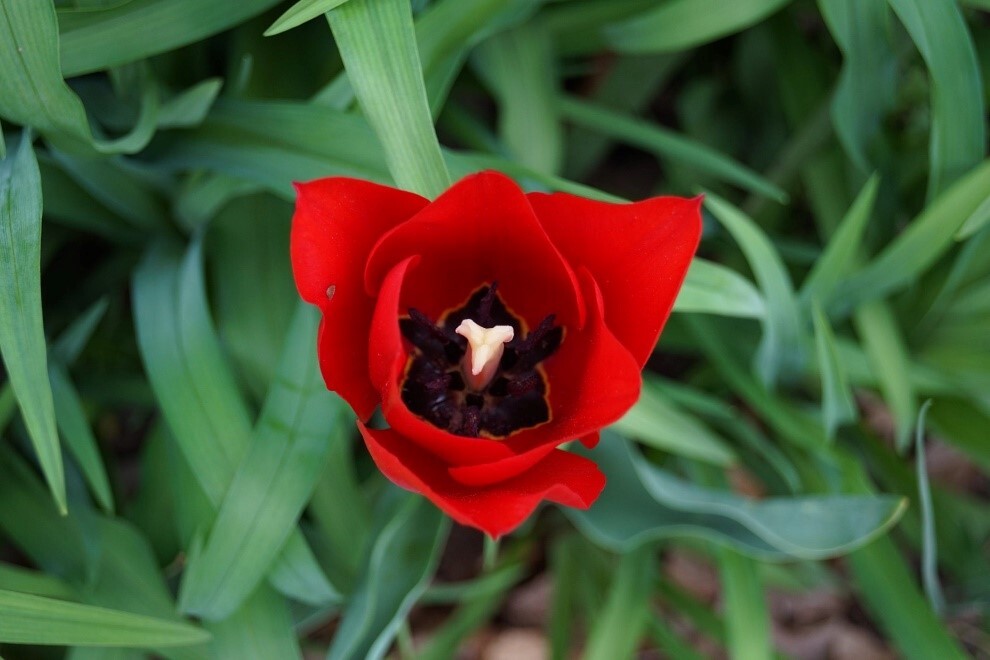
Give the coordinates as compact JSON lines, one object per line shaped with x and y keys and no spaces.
{"x":435,"y":387}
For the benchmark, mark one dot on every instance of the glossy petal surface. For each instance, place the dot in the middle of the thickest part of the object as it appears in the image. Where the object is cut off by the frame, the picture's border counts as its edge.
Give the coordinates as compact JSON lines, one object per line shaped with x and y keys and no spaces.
{"x":560,"y":477}
{"x":480,"y":231}
{"x":637,"y":253}
{"x":336,"y":223}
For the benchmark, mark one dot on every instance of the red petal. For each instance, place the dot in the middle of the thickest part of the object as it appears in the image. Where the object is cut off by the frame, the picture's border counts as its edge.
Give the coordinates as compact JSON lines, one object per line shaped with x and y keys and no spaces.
{"x":591,"y":440}
{"x":593,"y":380}
{"x":387,"y":363}
{"x":638,"y":254}
{"x":481,"y":230}
{"x":560,"y":477}
{"x":336,"y":223}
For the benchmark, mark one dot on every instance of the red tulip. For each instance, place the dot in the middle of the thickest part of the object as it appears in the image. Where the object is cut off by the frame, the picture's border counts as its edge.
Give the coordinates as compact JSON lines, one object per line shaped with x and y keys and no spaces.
{"x":491,"y":326}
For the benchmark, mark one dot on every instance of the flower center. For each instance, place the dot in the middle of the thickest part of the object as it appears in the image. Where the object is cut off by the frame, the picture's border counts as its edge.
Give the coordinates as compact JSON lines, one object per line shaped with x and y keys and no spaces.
{"x":473,"y":372}
{"x":484,"y":351}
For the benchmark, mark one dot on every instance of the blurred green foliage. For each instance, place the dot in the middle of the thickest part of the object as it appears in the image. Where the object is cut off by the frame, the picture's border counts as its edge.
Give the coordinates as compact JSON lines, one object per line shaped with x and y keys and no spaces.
{"x":159,"y":384}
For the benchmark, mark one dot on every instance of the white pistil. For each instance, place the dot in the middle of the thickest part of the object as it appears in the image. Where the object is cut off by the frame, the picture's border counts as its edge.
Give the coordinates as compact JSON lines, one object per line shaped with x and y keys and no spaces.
{"x":485,"y":347}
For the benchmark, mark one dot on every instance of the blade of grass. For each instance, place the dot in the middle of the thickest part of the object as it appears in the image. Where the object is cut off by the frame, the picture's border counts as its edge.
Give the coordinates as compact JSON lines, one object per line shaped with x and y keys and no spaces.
{"x":929,"y":541}
{"x":838,"y":406}
{"x":781,"y":350}
{"x":711,"y":288}
{"x":377,"y":42}
{"x":682,"y":24}
{"x":33,"y":92}
{"x":888,"y":355}
{"x":78,"y":435}
{"x":659,"y":423}
{"x":261,"y":628}
{"x":519,"y":66}
{"x":667,"y":144}
{"x":746,"y":617}
{"x":624,"y":616}
{"x":27,"y":619}
{"x":888,"y":591}
{"x":928,"y":236}
{"x":958,"y":133}
{"x":272,"y":483}
{"x":22,"y":333}
{"x":299,"y":13}
{"x":141,"y":28}
{"x":199,"y":397}
{"x":27,"y":581}
{"x":403,"y":557}
{"x":841,"y":253}
{"x":866,"y":88}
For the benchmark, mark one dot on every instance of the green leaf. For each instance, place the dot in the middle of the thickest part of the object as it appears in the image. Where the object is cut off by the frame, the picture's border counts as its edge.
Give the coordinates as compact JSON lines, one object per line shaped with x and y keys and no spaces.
{"x":251,"y":234}
{"x":274,"y":143}
{"x":927,"y":237}
{"x":26,"y":619}
{"x":841,"y":253}
{"x":261,"y":628}
{"x":958,"y":133}
{"x":929,"y":541}
{"x":67,"y":347}
{"x":472,"y":614}
{"x":378,"y":45}
{"x":667,"y":144}
{"x":299,"y":13}
{"x":782,"y":416}
{"x":519,"y":66}
{"x":838,"y":406}
{"x":627,"y":88}
{"x":961,"y":423}
{"x":190,"y":107}
{"x":781,"y":350}
{"x":745,"y":607}
{"x":887,"y":589}
{"x":141,"y":28}
{"x":118,"y":189}
{"x":681,"y":24}
{"x":642,"y":503}
{"x":33,"y":93}
{"x":659,"y":423}
{"x":866,"y":88}
{"x":199,"y":397}
{"x":22,"y":333}
{"x":977,"y":220}
{"x":30,"y":520}
{"x":401,"y":561}
{"x":69,"y":204}
{"x":272,"y":483}
{"x":711,"y":288}
{"x":341,"y":511}
{"x":78,"y":435}
{"x":622,"y":620}
{"x":888,"y":356}
{"x":25,"y":580}
{"x":187,"y":370}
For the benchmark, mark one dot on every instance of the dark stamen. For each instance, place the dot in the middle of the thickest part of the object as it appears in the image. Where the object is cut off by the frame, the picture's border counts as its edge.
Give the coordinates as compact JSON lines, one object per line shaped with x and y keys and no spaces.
{"x":523,"y":385}
{"x":434,"y":386}
{"x":485,"y":307}
{"x":424,"y":322}
{"x":537,"y":335}
{"x":471,"y":424}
